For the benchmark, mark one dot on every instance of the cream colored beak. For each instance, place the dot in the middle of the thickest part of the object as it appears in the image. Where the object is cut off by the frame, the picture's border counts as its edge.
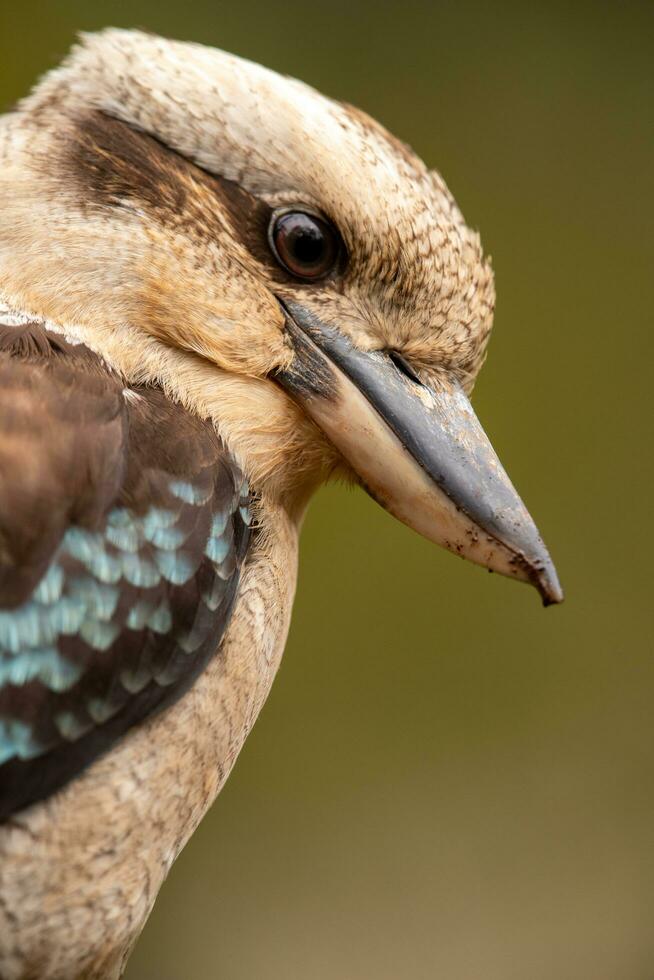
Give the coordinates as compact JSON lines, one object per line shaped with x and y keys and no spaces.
{"x":419,"y":451}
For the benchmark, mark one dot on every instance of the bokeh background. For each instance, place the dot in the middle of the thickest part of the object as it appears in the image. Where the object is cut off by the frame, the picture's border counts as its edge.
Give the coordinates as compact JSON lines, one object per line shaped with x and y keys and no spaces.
{"x":449,"y":781}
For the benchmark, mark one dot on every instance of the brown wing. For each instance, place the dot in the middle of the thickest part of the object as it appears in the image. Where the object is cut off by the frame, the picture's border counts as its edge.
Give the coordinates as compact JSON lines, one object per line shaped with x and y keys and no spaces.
{"x":123,"y":526}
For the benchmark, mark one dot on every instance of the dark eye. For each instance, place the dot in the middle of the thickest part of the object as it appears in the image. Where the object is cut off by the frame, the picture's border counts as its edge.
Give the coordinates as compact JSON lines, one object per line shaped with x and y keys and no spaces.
{"x":305,"y":245}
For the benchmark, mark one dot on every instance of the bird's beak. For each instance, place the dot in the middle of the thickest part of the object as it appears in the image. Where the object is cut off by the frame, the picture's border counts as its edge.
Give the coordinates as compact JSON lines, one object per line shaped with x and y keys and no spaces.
{"x":419,"y":451}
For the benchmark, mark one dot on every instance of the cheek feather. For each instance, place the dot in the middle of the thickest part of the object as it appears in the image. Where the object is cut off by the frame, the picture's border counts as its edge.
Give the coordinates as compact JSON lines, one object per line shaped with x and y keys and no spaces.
{"x":155,"y":246}
{"x":236,"y":325}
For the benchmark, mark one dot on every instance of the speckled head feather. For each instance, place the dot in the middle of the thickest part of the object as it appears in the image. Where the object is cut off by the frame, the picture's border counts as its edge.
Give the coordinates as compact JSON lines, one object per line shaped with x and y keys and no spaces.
{"x":157,"y":163}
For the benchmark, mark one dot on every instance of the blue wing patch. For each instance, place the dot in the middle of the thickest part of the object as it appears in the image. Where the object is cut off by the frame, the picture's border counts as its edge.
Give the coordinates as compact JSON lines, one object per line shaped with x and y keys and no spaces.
{"x":120,"y":556}
{"x":100,"y":588}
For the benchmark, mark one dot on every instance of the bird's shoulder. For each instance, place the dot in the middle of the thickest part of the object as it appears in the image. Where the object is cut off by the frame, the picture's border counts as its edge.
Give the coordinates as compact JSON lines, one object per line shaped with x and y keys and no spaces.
{"x":124,"y":522}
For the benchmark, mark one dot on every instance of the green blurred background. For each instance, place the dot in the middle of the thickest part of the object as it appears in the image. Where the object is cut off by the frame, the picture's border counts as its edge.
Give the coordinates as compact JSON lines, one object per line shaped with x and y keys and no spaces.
{"x":449,"y":781}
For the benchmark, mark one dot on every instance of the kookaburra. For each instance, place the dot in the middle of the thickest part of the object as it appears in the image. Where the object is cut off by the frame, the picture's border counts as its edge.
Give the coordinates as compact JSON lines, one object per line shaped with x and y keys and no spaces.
{"x":218,"y":289}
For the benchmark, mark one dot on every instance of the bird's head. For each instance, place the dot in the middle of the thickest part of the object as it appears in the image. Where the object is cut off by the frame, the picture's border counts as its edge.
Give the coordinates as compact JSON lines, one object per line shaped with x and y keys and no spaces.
{"x":277,"y":261}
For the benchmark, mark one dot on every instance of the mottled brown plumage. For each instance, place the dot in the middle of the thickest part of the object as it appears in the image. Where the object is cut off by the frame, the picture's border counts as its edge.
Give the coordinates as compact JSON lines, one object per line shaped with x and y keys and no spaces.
{"x":160,"y":365}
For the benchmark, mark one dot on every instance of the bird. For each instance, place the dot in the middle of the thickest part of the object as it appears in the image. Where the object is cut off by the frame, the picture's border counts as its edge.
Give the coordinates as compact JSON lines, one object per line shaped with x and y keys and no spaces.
{"x":218,"y":290}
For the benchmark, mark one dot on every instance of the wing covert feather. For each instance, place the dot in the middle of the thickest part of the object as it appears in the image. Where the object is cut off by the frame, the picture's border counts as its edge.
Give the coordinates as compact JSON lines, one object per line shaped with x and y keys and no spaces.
{"x":124,"y":523}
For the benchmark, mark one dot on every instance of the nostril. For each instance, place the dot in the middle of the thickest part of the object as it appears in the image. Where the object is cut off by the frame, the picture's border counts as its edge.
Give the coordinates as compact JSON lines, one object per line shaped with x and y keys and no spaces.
{"x":403,"y":365}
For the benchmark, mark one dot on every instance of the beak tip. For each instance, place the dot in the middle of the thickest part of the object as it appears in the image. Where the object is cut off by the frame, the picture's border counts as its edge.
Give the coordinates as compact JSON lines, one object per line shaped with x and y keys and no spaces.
{"x":552,"y":600}
{"x":547,"y":582}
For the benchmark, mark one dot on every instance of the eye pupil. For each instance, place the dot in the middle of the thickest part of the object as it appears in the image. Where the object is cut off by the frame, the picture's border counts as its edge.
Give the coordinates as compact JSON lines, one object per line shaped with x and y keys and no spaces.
{"x":305,"y":245}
